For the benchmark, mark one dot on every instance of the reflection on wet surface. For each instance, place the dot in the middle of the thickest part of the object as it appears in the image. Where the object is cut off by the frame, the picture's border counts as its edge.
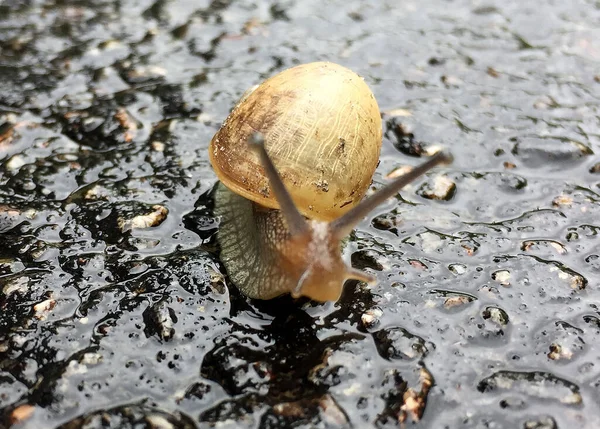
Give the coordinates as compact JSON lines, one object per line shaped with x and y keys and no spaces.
{"x":116,"y":311}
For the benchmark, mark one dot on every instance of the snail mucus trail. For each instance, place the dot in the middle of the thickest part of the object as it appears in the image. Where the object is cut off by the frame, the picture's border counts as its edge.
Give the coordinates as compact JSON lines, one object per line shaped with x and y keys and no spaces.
{"x":270,"y":252}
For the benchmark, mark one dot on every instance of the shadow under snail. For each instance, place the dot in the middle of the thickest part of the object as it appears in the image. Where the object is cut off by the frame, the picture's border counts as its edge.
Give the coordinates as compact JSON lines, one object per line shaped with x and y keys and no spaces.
{"x":295,"y":158}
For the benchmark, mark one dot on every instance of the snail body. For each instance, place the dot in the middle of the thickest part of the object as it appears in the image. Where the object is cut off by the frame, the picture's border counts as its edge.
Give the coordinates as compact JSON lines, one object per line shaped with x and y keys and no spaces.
{"x":260,"y":255}
{"x":295,"y":158}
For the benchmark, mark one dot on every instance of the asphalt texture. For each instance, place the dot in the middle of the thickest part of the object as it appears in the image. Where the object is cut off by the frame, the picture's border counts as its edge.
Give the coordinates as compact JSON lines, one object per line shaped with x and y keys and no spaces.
{"x":115,"y":310}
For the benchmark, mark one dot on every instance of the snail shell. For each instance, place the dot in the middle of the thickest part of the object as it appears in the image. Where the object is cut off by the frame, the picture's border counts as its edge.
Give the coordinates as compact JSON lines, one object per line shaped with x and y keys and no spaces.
{"x":322,"y":129}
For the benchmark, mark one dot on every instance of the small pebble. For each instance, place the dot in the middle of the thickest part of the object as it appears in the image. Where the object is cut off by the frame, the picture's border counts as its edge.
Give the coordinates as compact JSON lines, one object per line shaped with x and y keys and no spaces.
{"x":15,"y":163}
{"x":398,"y":112}
{"x":21,"y":413}
{"x":43,"y":308}
{"x":399,"y":171}
{"x":19,"y":284}
{"x":557,"y":352}
{"x":595,"y":169}
{"x":158,"y":146}
{"x":158,"y":422}
{"x":502,"y":277}
{"x":442,"y":189}
{"x":371,"y":318}
{"x":457,"y":268}
{"x":456,"y":301}
{"x":562,"y":200}
{"x":145,"y":221}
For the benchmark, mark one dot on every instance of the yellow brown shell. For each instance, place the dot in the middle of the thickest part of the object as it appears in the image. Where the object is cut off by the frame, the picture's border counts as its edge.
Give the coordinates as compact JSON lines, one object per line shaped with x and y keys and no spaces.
{"x":322,"y":129}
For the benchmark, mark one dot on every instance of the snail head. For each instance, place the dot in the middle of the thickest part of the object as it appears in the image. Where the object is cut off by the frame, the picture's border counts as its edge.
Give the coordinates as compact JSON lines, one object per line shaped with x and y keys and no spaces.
{"x":312,"y":251}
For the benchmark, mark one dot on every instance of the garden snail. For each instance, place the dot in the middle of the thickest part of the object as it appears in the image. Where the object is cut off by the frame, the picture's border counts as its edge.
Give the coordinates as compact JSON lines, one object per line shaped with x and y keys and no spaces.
{"x":303,"y":144}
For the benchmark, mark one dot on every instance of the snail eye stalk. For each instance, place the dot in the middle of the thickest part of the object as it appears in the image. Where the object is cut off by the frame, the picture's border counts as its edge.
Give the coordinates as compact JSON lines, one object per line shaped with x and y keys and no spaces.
{"x":344,"y":225}
{"x":296,"y":223}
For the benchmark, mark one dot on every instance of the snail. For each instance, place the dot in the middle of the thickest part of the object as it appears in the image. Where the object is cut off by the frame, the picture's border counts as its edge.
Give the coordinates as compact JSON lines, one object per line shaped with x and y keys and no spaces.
{"x":295,"y":158}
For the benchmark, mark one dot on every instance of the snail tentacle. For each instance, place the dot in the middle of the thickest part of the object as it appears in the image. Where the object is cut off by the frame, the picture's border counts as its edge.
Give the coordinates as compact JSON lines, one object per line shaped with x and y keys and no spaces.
{"x":344,"y":225}
{"x":355,"y":274}
{"x":296,"y":223}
